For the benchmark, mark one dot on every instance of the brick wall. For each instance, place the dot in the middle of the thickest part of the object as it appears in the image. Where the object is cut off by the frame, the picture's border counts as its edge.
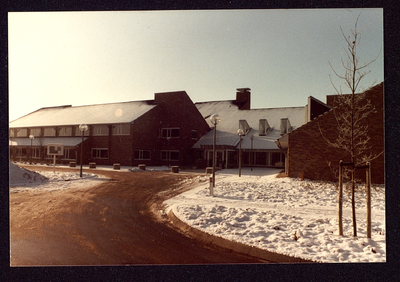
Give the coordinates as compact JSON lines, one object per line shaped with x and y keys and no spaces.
{"x":309,"y":152}
{"x":178,"y":110}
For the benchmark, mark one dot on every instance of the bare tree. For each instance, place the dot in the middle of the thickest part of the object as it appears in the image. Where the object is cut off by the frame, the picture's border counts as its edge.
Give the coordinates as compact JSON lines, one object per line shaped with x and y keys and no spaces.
{"x":350,"y":110}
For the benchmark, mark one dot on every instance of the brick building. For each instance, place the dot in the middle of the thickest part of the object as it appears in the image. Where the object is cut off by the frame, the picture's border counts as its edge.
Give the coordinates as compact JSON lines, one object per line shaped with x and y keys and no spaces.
{"x":306,"y":150}
{"x":154,"y":132}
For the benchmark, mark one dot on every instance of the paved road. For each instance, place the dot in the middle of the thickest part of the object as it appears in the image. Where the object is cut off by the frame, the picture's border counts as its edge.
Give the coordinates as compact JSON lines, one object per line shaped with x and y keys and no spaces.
{"x":110,"y":224}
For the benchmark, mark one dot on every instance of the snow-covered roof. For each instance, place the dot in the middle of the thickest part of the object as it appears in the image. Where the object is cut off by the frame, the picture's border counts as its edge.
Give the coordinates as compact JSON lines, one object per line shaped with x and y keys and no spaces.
{"x":66,"y":141}
{"x":112,"y":113}
{"x":229,"y":124}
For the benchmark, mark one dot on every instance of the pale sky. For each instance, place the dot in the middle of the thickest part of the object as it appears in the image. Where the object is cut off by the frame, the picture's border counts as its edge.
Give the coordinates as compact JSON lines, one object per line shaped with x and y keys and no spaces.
{"x":83,"y":58}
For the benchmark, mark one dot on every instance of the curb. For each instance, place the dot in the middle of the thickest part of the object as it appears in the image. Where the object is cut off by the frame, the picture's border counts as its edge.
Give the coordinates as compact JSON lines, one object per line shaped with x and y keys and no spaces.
{"x":235,"y":246}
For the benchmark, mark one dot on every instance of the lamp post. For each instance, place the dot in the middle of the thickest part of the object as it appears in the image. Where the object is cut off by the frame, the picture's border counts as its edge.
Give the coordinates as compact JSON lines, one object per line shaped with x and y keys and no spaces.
{"x":215,"y":118}
{"x":251,"y":153}
{"x":30,"y":151}
{"x":240,"y":132}
{"x":83,"y":128}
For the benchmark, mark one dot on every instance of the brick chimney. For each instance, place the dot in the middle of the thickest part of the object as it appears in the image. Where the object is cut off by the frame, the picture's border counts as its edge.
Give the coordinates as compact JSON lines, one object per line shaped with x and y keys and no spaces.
{"x":243,"y":98}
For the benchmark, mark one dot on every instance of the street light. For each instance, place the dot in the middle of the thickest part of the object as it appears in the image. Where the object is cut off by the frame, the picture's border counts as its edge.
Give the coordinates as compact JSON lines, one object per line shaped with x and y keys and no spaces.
{"x":83,"y":128}
{"x":251,"y":153}
{"x":30,"y":151}
{"x":215,"y":118}
{"x":240,"y":132}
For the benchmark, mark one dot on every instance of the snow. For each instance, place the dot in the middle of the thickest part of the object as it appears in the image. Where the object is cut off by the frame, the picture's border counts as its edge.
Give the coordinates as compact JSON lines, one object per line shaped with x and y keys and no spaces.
{"x":229,"y":124}
{"x":22,"y":179}
{"x":91,"y":114}
{"x":284,"y":215}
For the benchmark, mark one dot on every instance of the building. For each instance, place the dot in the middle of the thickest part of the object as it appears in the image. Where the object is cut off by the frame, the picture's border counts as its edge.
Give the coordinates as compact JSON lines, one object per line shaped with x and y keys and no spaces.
{"x":154,"y":132}
{"x":261,"y":127}
{"x":308,"y":153}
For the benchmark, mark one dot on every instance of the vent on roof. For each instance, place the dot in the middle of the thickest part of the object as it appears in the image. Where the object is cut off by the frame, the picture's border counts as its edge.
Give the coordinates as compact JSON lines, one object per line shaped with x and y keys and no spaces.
{"x":244,"y":126}
{"x":263,"y":127}
{"x":285,"y":126}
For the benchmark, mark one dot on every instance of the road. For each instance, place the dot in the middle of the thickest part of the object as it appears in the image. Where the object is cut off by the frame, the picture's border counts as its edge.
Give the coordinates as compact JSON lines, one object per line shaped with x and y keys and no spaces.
{"x":115,"y":223}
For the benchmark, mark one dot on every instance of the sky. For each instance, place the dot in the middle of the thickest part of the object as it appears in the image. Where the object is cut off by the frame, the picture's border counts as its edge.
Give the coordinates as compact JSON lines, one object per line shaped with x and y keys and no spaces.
{"x":283,"y":56}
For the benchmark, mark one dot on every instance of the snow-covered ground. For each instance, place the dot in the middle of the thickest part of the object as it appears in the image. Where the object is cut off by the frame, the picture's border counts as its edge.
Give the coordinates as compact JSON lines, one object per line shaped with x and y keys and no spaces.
{"x":23,"y":179}
{"x":283,"y":215}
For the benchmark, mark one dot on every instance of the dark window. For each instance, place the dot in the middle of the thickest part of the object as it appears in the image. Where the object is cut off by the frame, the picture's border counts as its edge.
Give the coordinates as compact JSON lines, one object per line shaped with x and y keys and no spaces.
{"x":174,"y":155}
{"x":21,"y":152}
{"x":194,"y":134}
{"x":170,"y":132}
{"x":142,"y":154}
{"x":170,"y":155}
{"x":261,"y":158}
{"x":275,"y":158}
{"x":100,"y":153}
{"x":175,"y":132}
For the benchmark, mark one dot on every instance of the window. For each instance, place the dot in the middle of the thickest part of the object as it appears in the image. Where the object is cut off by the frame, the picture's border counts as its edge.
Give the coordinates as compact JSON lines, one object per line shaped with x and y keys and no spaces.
{"x":170,"y":132}
{"x":69,"y":154}
{"x":194,"y":134}
{"x":100,"y":130}
{"x":263,"y":127}
{"x":21,"y":132}
{"x":35,"y":132}
{"x":21,"y":152}
{"x":79,"y":133}
{"x":174,"y":155}
{"x":100,"y":153}
{"x":36,"y":153}
{"x":49,"y":131}
{"x":65,"y":131}
{"x":142,"y":154}
{"x":121,"y":129}
{"x":170,"y":155}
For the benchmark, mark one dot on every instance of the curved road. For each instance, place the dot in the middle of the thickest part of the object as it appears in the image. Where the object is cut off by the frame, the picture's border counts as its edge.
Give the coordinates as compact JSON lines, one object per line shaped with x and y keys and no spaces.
{"x":114,"y":223}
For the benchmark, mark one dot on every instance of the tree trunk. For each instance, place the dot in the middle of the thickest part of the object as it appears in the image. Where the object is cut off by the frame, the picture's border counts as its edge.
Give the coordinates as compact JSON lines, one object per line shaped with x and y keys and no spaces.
{"x":368,"y":184}
{"x":353,"y":205}
{"x":340,"y":213}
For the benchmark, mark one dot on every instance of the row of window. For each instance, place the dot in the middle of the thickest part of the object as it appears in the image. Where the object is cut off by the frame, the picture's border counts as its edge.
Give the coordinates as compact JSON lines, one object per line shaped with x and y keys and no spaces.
{"x":97,"y":130}
{"x":166,"y":155}
{"x":69,"y":153}
{"x":97,"y":153}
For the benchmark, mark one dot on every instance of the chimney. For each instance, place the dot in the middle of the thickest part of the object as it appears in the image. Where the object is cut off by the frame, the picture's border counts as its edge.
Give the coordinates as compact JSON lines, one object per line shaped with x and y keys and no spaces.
{"x":243,"y":98}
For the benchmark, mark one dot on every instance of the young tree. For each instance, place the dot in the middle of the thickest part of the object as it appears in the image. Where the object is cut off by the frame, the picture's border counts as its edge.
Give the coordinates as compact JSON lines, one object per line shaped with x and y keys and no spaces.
{"x":350,"y":110}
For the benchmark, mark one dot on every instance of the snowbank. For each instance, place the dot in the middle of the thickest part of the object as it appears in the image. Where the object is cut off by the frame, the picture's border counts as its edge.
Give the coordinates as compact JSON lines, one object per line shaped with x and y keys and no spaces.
{"x":21,"y":179}
{"x":22,"y":176}
{"x":282,"y":215}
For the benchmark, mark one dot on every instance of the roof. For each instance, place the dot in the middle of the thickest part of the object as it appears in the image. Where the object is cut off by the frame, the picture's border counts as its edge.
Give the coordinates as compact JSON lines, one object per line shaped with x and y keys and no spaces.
{"x":284,"y":141}
{"x":112,"y":113}
{"x":229,"y":124}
